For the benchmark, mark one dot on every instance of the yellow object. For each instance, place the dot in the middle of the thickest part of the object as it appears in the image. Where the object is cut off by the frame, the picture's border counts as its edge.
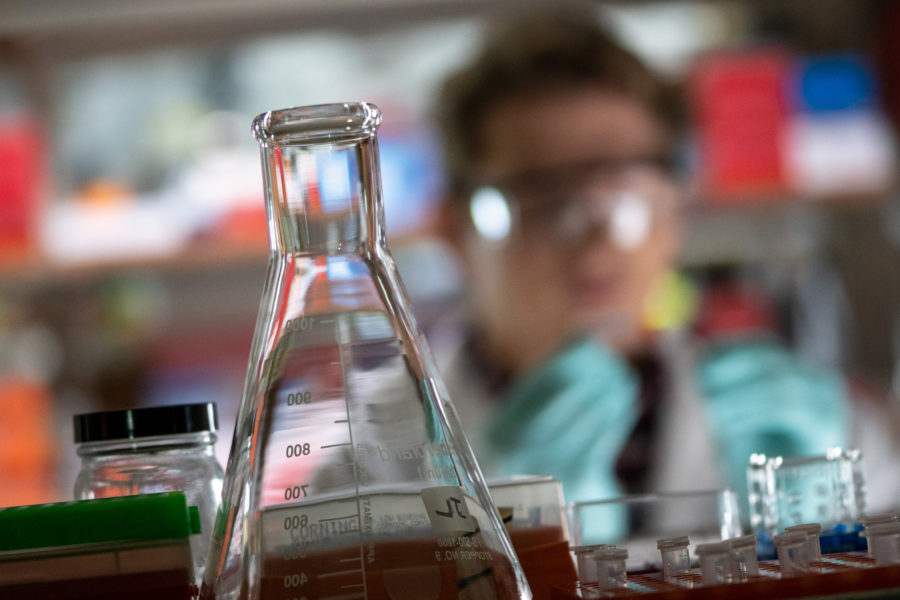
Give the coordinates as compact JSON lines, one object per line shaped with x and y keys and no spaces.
{"x":671,"y":303}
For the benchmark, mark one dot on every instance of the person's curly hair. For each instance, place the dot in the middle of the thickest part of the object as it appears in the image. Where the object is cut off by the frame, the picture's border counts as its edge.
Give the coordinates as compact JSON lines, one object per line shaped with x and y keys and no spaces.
{"x":534,"y":55}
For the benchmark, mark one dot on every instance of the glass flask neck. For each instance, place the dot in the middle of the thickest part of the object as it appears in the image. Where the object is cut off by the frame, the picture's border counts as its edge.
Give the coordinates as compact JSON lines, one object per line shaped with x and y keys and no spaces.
{"x":322,"y":179}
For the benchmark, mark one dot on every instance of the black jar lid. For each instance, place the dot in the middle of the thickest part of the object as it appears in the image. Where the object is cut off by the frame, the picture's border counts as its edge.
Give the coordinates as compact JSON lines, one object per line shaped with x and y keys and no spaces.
{"x":145,"y":422}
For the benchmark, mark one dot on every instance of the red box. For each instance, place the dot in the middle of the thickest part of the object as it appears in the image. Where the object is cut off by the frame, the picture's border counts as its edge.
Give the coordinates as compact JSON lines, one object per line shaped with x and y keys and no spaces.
{"x":740,"y":116}
{"x":22,"y":161}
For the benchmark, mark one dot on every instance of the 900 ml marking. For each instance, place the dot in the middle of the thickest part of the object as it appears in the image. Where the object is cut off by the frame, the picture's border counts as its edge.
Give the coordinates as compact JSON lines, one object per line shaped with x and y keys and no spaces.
{"x":299,"y":398}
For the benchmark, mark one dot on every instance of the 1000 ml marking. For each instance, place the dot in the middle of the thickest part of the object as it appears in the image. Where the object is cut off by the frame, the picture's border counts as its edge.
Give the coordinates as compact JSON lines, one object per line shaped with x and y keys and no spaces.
{"x":301,"y":324}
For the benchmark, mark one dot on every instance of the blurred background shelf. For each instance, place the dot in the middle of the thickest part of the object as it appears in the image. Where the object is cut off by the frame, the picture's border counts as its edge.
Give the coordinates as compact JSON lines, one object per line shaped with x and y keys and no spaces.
{"x":200,"y":257}
{"x":132,"y":239}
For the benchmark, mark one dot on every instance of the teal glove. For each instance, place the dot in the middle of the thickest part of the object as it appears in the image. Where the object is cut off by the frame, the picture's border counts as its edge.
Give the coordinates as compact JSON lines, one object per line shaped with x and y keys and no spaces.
{"x":569,"y":419}
{"x":761,"y":398}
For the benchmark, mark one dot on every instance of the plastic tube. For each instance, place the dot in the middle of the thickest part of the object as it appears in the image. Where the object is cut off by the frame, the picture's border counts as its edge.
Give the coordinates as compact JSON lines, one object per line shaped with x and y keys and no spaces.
{"x":675,"y":557}
{"x":792,"y":557}
{"x":584,"y":559}
{"x":611,"y":573}
{"x":811,"y":531}
{"x":884,"y":542}
{"x":875,"y":520}
{"x":715,"y":562}
{"x":744,"y":560}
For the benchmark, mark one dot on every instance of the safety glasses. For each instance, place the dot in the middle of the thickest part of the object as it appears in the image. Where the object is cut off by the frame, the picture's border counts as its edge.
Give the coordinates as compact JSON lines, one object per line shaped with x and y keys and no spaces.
{"x":622,"y":200}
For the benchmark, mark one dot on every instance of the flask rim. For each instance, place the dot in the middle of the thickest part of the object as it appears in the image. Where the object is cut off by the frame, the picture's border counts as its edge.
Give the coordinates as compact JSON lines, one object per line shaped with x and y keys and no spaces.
{"x":319,"y":123}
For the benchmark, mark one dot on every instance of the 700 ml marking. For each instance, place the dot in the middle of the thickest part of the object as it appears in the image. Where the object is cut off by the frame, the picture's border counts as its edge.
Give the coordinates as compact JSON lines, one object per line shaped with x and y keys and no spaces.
{"x":296,"y":492}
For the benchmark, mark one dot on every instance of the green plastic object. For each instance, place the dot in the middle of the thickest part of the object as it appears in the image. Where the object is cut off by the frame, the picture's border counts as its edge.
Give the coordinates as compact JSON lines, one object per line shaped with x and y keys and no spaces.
{"x":141,"y":518}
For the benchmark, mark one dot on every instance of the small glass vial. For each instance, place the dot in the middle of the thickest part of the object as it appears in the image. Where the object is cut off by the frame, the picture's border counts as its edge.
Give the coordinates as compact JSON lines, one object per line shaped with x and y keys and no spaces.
{"x":611,"y":572}
{"x":675,"y":558}
{"x":884,"y":542}
{"x":584,"y":559}
{"x":875,"y":520}
{"x":792,"y":558}
{"x":149,"y":450}
{"x":715,"y":562}
{"x":744,"y":560}
{"x":811,"y":531}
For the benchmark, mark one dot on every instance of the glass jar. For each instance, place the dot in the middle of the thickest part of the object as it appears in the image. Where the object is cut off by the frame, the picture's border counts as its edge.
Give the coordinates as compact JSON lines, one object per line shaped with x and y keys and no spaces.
{"x":156,"y":449}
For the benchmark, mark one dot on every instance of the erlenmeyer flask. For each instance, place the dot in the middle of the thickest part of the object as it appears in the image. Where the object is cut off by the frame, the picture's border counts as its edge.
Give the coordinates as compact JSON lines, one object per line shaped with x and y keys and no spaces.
{"x":349,"y":476}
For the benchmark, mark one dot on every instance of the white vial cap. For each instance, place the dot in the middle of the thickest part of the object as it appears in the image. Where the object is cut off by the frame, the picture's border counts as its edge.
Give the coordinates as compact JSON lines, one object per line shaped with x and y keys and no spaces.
{"x":789,"y":539}
{"x":713,"y":548}
{"x":673,"y":543}
{"x":745,"y":541}
{"x":611,"y":554}
{"x":878,"y":529}
{"x":875,"y":519}
{"x":807,"y":528}
{"x":581,"y":550}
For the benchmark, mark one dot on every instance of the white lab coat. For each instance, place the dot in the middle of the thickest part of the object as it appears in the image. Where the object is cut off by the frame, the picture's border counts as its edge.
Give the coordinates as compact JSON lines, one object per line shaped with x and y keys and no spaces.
{"x":685,"y":457}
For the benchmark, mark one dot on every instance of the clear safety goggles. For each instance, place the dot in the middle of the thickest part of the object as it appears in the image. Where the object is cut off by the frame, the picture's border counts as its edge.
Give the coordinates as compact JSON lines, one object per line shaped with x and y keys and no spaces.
{"x":622,"y":200}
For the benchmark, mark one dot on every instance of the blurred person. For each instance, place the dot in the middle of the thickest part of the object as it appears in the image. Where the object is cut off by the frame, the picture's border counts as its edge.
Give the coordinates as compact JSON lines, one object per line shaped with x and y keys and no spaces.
{"x":564,"y":208}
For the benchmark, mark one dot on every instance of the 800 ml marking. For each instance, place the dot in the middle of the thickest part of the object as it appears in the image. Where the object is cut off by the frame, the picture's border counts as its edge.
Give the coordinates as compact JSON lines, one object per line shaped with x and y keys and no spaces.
{"x":295,"y":450}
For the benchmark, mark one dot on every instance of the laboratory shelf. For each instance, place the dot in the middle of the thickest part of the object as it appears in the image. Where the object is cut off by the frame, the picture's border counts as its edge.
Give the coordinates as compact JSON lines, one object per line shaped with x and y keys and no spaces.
{"x":34,"y":270}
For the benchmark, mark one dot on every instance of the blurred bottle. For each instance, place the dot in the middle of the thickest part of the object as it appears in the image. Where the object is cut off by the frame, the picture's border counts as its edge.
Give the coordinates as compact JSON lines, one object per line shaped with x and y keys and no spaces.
{"x":148,"y":450}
